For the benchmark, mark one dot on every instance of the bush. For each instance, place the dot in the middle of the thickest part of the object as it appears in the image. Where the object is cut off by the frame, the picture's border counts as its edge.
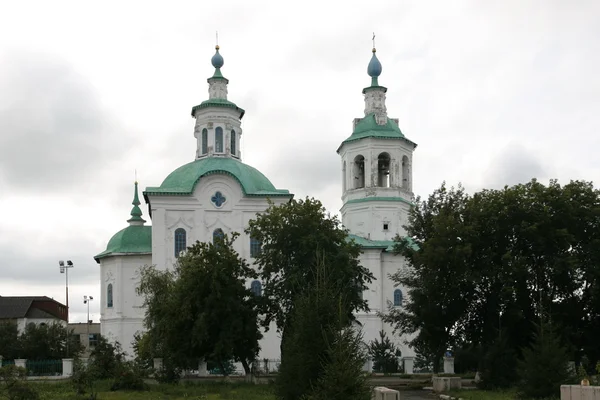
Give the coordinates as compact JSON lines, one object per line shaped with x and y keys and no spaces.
{"x":106,"y":358}
{"x":14,"y":384}
{"x":384,"y":354}
{"x":84,"y":379}
{"x":343,"y":377}
{"x":128,"y":377}
{"x":545,"y":365}
{"x":168,"y":373}
{"x":498,"y":367}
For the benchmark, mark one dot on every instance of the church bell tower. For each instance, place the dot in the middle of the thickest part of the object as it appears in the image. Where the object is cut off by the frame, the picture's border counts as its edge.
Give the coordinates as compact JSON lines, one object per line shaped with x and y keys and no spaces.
{"x":376,"y":168}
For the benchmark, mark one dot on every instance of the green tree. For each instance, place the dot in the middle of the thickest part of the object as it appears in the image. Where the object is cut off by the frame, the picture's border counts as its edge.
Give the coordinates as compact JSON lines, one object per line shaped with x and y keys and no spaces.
{"x":292,"y":235}
{"x":48,"y":342}
{"x":202,"y":308}
{"x":343,"y":377}
{"x":498,"y":366}
{"x":9,"y":343}
{"x":438,"y":276}
{"x":106,"y":358}
{"x":319,"y":313}
{"x":384,"y":354}
{"x":545,"y":365}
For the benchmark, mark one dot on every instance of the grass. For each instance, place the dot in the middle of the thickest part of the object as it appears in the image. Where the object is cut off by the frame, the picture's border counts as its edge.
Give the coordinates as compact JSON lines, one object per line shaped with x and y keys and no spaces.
{"x":484,"y":394}
{"x":188,"y":391}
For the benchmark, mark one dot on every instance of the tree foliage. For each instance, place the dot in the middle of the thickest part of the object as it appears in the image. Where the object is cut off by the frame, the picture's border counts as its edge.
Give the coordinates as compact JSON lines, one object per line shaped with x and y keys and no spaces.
{"x":438,"y":280}
{"x":38,"y":342}
{"x":292,"y":235}
{"x":384,"y":354}
{"x":343,"y":377}
{"x":544,"y":367}
{"x":202,"y":308}
{"x":313,"y":350}
{"x":499,"y":259}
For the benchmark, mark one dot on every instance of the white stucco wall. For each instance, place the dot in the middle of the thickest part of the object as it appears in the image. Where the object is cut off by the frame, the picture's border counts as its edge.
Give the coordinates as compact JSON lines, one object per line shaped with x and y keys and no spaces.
{"x":121,"y":321}
{"x":23,"y":322}
{"x":380,"y":294}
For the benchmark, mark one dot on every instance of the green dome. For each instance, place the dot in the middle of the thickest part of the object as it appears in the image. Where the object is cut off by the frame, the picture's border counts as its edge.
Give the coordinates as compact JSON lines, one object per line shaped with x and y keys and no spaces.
{"x":183,"y":180}
{"x":368,"y":127}
{"x":135,"y":239}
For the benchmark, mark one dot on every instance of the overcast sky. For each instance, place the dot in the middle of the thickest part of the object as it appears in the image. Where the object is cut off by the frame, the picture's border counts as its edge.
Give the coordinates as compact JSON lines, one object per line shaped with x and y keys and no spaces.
{"x":493,"y":92}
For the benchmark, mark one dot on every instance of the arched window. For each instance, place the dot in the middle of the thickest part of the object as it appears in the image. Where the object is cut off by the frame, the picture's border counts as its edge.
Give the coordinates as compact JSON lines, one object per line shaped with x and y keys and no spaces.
{"x":218,"y":140}
{"x":255,"y":247}
{"x":204,"y":141}
{"x":232,"y":146}
{"x":383,"y":170}
{"x":256,"y":288}
{"x":397,"y":298}
{"x":180,"y":241}
{"x":405,"y":173}
{"x":218,"y":235}
{"x":344,"y":177}
{"x":109,"y":295}
{"x":359,"y":172}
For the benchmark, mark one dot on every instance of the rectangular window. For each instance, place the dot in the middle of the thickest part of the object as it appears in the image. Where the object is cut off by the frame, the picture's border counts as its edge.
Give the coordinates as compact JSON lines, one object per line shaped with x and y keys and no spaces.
{"x":255,"y":248}
{"x":385,"y":226}
{"x":93,"y":339}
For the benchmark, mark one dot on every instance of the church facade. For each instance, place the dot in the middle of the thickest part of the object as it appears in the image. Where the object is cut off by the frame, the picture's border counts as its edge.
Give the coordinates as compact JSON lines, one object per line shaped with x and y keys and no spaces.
{"x":217,"y":193}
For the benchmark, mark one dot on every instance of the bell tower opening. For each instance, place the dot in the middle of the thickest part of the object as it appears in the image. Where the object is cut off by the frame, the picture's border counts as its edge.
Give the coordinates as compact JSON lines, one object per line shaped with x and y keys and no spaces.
{"x":405,"y":173}
{"x":359,"y":172}
{"x":383,"y":170}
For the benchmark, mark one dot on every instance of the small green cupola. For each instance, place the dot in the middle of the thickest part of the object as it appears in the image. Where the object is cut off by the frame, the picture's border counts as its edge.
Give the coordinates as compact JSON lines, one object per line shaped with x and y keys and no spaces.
{"x":135,"y":239}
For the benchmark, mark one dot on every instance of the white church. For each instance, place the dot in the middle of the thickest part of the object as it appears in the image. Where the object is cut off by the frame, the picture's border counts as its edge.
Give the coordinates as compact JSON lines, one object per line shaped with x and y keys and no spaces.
{"x":217,"y":193}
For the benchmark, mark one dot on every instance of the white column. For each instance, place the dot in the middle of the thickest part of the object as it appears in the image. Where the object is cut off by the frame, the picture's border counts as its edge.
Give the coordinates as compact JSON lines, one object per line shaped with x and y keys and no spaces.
{"x":67,"y":366}
{"x":20,"y":362}
{"x":158,"y":364}
{"x":448,"y":365}
{"x":202,"y":368}
{"x":409,"y":363}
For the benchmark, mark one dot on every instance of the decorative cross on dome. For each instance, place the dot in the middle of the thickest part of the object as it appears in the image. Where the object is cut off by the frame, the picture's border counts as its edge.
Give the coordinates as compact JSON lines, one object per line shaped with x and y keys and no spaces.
{"x":218,"y":199}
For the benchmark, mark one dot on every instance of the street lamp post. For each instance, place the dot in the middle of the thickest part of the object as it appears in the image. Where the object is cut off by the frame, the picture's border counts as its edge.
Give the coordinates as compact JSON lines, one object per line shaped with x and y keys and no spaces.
{"x":87,"y":300}
{"x":64,"y":269}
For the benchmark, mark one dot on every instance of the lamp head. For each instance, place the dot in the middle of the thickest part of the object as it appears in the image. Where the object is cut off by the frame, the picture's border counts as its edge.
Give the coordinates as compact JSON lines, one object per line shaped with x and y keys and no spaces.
{"x":69,"y":263}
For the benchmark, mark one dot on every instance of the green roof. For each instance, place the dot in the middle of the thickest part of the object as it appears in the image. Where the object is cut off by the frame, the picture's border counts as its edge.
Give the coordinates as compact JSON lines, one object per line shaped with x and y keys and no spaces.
{"x":218,"y":103}
{"x":387,"y":245}
{"x":135,"y":239}
{"x":184,"y":179}
{"x":365,"y":243}
{"x":368,"y":127}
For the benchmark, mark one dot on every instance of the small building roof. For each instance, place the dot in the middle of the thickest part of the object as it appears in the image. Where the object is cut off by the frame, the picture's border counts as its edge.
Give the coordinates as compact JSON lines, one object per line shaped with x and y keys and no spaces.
{"x":14,"y":307}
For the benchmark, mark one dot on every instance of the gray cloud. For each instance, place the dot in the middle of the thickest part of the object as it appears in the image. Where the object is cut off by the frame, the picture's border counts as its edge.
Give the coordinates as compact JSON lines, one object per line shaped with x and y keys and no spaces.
{"x":55,"y":132}
{"x":514,"y":165}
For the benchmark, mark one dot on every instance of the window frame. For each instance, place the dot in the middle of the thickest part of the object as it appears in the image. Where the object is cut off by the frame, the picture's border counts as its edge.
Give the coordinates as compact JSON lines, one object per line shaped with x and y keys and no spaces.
{"x":218,"y":139}
{"x":177,"y":245}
